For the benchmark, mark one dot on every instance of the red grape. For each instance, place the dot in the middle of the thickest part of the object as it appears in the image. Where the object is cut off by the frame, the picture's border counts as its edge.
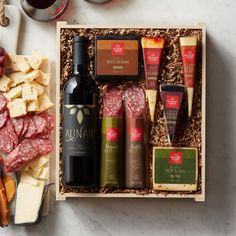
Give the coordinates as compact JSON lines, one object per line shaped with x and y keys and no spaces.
{"x":3,"y":60}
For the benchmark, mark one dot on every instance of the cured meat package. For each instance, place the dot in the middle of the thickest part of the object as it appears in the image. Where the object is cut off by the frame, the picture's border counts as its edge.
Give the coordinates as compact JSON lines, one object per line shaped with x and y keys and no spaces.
{"x":112,"y":143}
{"x":136,"y":137}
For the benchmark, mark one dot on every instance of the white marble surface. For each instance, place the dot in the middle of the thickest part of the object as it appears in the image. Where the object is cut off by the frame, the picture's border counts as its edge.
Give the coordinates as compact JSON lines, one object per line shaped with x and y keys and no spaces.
{"x":217,"y":216}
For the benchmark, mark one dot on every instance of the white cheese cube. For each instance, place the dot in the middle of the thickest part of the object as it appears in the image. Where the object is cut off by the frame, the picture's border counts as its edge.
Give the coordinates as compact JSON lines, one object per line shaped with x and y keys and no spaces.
{"x":29,"y":93}
{"x":17,"y":107}
{"x":36,"y":60}
{"x":17,"y":78}
{"x":32,"y":106}
{"x":38,"y":87}
{"x":44,"y":78}
{"x":44,"y":103}
{"x":19,"y":63}
{"x":4,"y":83}
{"x":14,"y":93}
{"x":32,"y":75}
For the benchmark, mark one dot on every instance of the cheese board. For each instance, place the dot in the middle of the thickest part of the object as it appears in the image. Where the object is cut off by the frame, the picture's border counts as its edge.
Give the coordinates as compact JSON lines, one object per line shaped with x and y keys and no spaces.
{"x":25,"y":87}
{"x":192,"y":131}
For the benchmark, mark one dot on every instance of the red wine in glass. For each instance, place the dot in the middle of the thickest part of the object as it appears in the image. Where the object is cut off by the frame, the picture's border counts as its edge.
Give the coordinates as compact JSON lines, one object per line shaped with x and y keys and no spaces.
{"x":41,"y":4}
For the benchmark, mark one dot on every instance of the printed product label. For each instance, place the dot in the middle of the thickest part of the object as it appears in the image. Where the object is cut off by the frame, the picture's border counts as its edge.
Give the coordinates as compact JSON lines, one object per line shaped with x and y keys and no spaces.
{"x":172,"y":101}
{"x":112,"y":134}
{"x":79,"y":130}
{"x":176,"y":158}
{"x":136,"y":134}
{"x":175,"y":166}
{"x":189,"y":60}
{"x":118,"y":49}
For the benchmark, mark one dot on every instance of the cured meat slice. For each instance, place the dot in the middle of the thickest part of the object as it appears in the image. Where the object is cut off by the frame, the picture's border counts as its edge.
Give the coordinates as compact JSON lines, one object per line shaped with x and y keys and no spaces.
{"x":10,"y":131}
{"x":43,"y":146}
{"x":3,"y":118}
{"x":40,"y":124}
{"x":32,"y":130}
{"x":6,"y":143}
{"x":20,"y":156}
{"x":26,"y":125}
{"x":18,"y":124}
{"x":135,"y":101}
{"x":112,"y":103}
{"x":3,"y":102}
{"x":50,"y":123}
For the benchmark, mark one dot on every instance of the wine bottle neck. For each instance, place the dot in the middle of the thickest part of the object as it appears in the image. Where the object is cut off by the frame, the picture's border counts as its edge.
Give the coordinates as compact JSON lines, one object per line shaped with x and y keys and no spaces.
{"x":79,"y":69}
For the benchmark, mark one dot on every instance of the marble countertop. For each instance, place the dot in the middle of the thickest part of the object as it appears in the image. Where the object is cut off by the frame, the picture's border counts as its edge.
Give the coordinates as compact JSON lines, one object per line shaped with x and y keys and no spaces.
{"x":217,"y":216}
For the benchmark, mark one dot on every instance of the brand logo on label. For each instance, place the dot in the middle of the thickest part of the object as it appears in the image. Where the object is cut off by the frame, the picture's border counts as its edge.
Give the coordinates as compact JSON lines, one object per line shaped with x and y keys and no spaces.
{"x":136,"y":134}
{"x":152,"y":57}
{"x":189,"y":55}
{"x":118,"y":49}
{"x":176,"y":158}
{"x":112,"y":134}
{"x":172,"y":101}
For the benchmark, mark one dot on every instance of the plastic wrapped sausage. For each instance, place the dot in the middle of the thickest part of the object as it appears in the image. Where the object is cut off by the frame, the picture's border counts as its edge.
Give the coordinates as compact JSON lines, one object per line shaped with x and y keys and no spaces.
{"x":136,"y":137}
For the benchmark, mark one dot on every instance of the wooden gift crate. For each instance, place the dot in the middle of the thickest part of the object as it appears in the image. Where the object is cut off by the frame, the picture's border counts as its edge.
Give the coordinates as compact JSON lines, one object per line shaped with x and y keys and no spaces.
{"x":198,"y":196}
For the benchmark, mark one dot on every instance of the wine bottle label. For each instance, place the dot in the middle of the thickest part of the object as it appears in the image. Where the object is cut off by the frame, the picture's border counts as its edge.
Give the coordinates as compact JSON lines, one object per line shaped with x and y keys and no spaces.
{"x":79,"y":130}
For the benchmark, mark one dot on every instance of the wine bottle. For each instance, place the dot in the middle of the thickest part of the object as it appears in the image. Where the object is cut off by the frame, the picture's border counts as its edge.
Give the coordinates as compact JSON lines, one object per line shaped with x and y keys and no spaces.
{"x":80,"y":122}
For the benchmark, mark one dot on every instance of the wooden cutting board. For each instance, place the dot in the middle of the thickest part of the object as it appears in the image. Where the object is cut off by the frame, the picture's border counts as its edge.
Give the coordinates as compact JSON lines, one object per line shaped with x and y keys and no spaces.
{"x":9,"y":35}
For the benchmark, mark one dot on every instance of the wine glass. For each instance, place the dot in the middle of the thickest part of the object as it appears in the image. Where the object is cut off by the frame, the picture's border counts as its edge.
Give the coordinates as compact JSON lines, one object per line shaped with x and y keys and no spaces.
{"x":44,"y":10}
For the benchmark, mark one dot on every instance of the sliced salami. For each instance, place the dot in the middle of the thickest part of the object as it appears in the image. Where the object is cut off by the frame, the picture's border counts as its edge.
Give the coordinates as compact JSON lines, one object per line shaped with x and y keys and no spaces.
{"x":26,"y":125}
{"x":10,"y":131}
{"x":20,"y":156}
{"x":43,"y":146}
{"x":32,"y":130}
{"x":50,"y":123}
{"x":18,"y":124}
{"x":3,"y":118}
{"x":112,"y":103}
{"x":6,"y":143}
{"x":135,"y":101}
{"x":3,"y":102}
{"x":40,"y":124}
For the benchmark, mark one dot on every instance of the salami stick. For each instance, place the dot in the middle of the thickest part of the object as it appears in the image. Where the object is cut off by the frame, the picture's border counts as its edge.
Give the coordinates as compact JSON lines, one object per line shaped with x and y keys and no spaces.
{"x":112,"y":164}
{"x":135,"y":108}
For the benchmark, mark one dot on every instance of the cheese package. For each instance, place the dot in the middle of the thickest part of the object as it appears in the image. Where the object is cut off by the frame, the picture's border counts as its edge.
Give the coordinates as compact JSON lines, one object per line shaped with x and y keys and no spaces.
{"x":28,"y":202}
{"x":175,"y":169}
{"x":17,"y":107}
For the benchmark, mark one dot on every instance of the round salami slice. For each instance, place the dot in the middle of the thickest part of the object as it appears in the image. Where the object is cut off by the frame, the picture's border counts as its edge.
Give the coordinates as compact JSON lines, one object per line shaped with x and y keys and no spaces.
{"x":6,"y":143}
{"x":40,"y":124}
{"x":112,"y":103}
{"x":3,"y":102}
{"x":135,"y":102}
{"x":3,"y":118}
{"x":44,"y":146}
{"x":20,"y":156}
{"x":26,"y":125}
{"x":18,"y":124}
{"x":32,"y":130}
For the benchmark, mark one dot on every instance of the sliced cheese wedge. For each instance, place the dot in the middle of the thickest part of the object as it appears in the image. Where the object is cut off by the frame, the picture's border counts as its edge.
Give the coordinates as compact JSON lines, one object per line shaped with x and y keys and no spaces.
{"x":40,"y":162}
{"x":28,"y":202}
{"x":28,"y":179}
